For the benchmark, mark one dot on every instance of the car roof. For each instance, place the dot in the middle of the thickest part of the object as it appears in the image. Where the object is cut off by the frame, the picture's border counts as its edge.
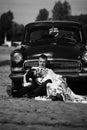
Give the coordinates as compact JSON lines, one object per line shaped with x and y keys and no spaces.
{"x":53,"y":23}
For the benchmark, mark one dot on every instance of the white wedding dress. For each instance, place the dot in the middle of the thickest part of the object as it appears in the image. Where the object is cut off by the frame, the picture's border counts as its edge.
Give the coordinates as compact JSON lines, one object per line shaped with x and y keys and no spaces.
{"x":58,"y":86}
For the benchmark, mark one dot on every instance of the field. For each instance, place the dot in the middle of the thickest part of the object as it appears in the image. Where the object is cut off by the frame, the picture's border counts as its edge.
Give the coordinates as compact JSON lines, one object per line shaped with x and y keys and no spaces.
{"x":29,"y":114}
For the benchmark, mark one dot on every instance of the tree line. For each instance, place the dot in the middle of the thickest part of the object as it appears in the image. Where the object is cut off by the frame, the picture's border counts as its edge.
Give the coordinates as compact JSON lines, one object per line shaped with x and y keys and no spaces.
{"x":9,"y":28}
{"x":61,"y":11}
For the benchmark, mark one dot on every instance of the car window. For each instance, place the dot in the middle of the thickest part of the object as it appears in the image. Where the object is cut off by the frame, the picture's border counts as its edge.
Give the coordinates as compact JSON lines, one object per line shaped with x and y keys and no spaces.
{"x":38,"y":34}
{"x":51,"y":35}
{"x":69,"y":36}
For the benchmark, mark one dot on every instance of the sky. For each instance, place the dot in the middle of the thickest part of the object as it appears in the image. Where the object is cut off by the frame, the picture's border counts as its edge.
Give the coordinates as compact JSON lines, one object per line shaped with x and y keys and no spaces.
{"x":26,"y":11}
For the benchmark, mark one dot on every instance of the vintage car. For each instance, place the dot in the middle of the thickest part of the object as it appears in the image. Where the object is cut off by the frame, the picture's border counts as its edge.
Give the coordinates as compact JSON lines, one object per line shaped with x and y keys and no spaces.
{"x":64,"y":44}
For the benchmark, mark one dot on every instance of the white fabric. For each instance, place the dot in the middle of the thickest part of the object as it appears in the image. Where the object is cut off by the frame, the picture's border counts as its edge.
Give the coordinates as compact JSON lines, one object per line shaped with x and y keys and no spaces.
{"x":59,"y":86}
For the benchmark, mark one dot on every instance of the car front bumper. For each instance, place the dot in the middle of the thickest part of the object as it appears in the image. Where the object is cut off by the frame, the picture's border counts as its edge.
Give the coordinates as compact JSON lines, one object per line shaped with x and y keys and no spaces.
{"x":16,"y":76}
{"x":80,"y":76}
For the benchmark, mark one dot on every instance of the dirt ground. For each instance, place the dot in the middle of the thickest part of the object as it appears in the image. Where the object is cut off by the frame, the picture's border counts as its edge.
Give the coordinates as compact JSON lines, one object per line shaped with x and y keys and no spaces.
{"x":29,"y":114}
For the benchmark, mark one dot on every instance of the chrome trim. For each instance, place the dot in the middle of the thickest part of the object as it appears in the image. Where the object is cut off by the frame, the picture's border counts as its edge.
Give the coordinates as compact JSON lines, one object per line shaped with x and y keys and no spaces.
{"x":82,"y":74}
{"x":52,"y":59}
{"x":16,"y":69}
{"x":85,"y":68}
{"x":67,"y":70}
{"x":14,"y":76}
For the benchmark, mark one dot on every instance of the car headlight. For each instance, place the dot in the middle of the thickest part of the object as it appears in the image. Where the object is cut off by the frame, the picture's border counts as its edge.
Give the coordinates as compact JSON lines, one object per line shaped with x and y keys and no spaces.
{"x":85,"y":56}
{"x":17,"y":57}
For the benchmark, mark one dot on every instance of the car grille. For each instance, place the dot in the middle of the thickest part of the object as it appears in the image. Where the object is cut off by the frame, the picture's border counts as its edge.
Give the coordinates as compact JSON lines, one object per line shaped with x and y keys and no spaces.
{"x":57,"y":65}
{"x":66,"y":66}
{"x":29,"y":63}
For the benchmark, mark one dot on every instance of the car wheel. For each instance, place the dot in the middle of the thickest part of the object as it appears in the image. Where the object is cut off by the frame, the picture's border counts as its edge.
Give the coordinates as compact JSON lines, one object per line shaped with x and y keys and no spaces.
{"x":14,"y":87}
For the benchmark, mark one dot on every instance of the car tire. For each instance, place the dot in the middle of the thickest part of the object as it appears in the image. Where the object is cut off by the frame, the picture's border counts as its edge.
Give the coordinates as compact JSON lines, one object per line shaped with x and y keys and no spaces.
{"x":14,"y":87}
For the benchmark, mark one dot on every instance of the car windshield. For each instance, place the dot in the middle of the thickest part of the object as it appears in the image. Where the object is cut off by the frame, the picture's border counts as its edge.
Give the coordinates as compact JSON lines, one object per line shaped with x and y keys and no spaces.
{"x":48,"y":35}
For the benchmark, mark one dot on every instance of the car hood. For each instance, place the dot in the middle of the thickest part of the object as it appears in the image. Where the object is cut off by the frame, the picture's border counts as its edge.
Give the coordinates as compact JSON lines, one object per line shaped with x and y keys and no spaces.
{"x":54,"y":51}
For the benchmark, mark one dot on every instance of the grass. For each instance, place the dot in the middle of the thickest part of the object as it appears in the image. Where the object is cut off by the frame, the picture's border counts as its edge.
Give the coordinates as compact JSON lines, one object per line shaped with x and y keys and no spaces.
{"x":6,"y":50}
{"x":5,"y":55}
